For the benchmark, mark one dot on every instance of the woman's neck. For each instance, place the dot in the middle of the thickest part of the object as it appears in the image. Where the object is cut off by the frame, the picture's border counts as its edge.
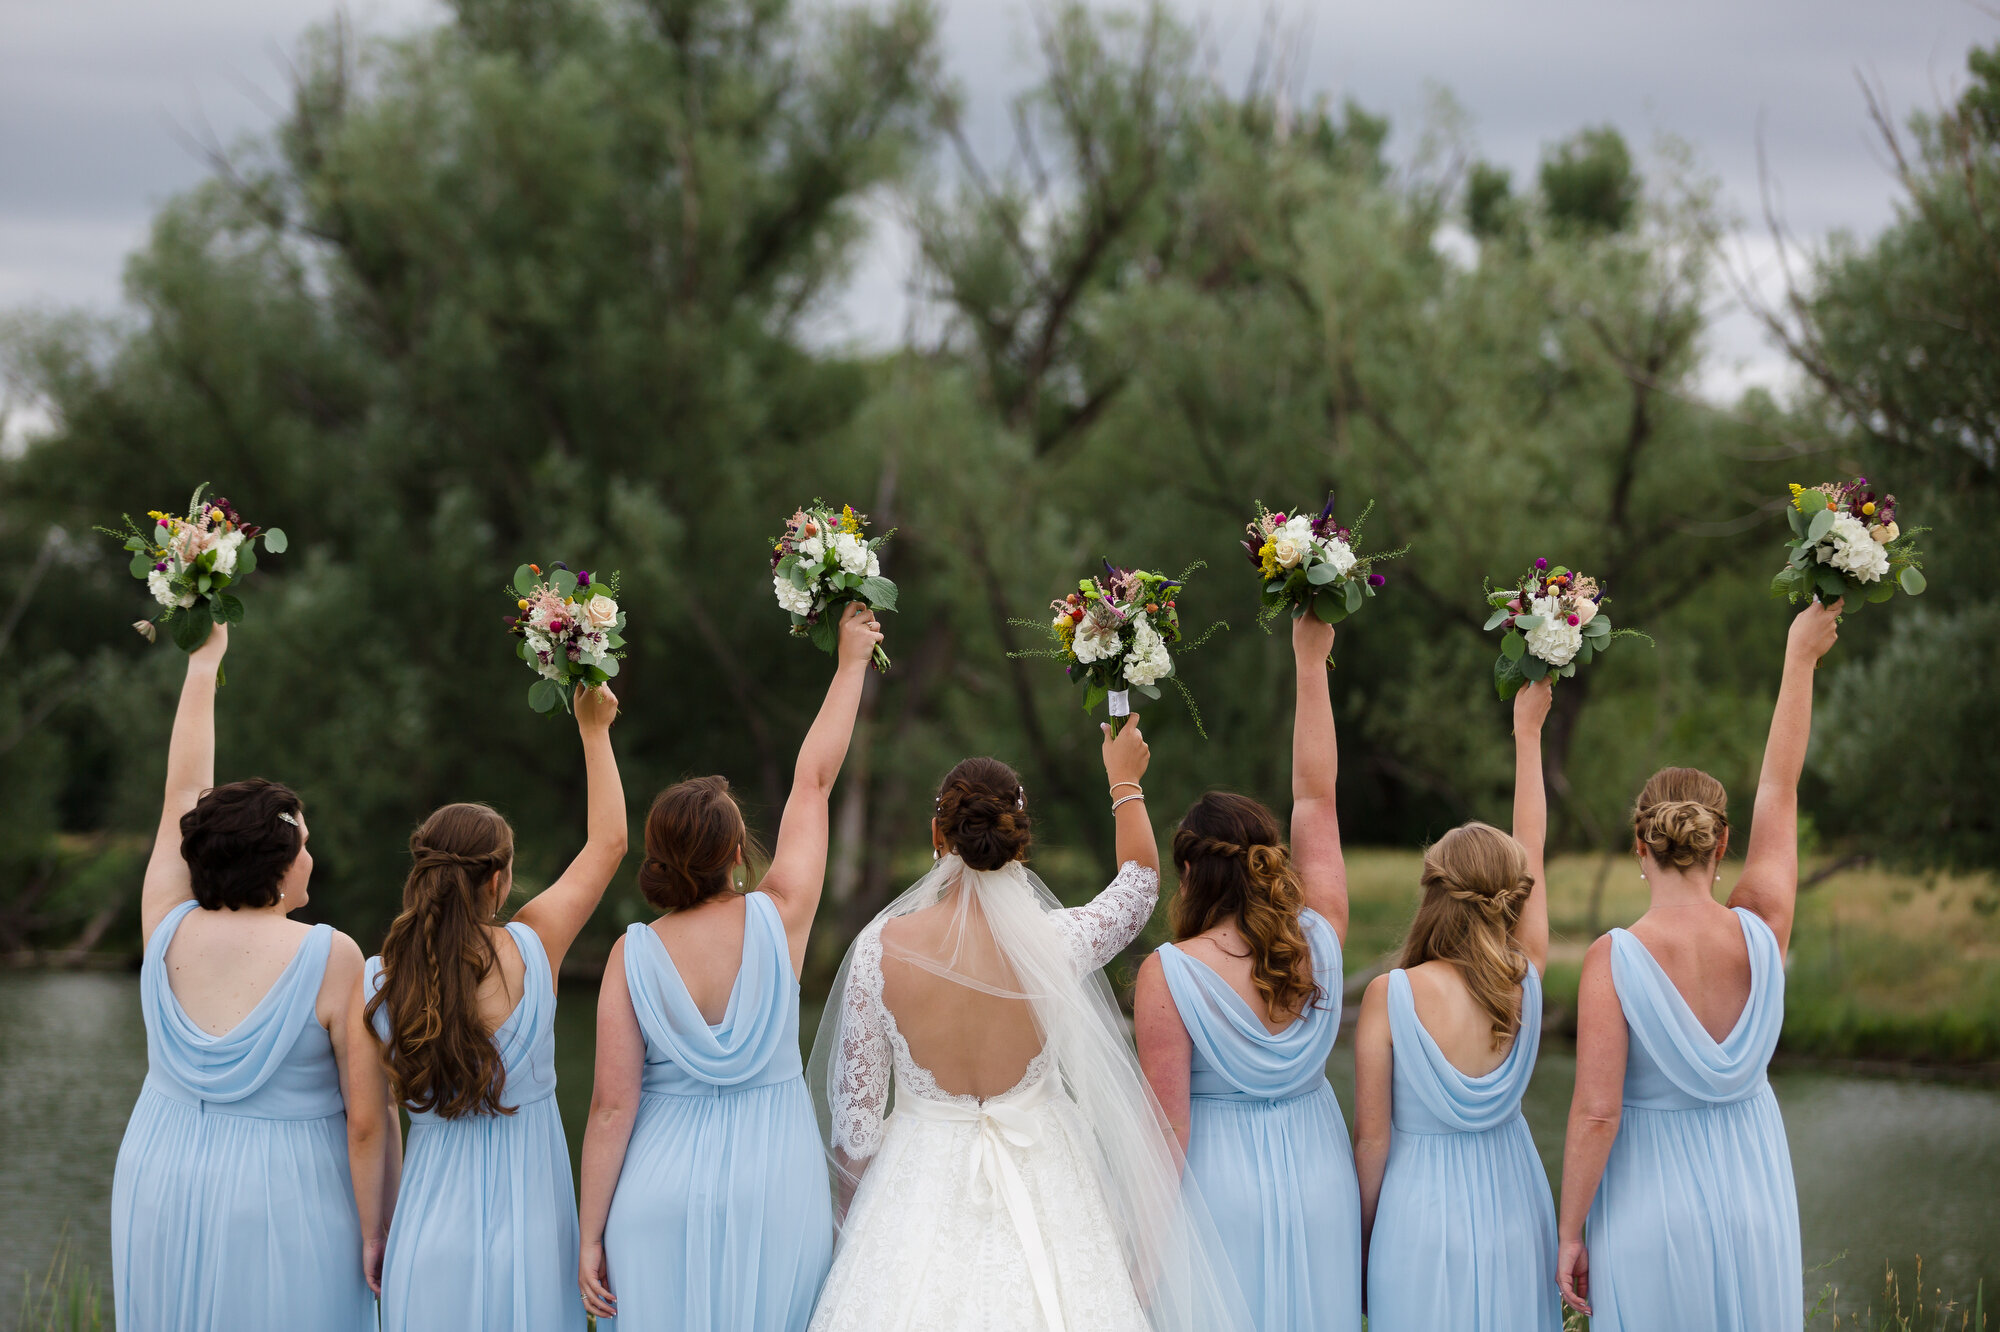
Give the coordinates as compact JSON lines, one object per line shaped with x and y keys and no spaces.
{"x":1681,"y":888}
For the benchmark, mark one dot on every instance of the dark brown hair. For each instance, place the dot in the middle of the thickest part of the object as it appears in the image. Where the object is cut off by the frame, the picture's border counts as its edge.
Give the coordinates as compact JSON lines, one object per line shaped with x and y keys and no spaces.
{"x":1476,"y":882}
{"x":236,"y":844}
{"x":1233,"y":863}
{"x":1681,"y":817}
{"x":982,"y":812}
{"x":693,"y":832}
{"x":439,"y":1055}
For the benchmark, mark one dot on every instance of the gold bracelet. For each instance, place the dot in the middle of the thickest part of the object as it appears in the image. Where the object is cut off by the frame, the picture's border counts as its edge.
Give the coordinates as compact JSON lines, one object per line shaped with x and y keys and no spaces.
{"x":1126,"y":800}
{"x":1134,"y":785}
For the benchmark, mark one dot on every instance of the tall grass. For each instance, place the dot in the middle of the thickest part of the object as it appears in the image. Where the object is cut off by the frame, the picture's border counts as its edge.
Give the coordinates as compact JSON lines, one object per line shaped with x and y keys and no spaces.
{"x":1902,"y":1311}
{"x":65,"y":1300}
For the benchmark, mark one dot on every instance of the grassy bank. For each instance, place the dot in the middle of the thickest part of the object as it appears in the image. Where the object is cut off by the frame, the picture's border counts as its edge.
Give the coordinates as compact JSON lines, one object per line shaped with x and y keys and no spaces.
{"x":1884,"y":966}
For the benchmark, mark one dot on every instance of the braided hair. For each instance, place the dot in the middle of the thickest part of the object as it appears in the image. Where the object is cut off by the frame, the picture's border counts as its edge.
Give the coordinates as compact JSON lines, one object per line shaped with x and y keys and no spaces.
{"x":439,"y":1055}
{"x":1476,"y":883}
{"x":1233,"y":863}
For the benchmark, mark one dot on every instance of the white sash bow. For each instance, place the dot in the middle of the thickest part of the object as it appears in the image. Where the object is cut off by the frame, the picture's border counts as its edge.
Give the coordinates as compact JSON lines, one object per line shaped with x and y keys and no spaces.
{"x":1003,"y":1124}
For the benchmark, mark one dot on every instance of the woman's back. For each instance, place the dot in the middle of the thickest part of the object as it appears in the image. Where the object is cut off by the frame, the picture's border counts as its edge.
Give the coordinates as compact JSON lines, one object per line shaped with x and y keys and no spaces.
{"x":1704,"y":952}
{"x":1453,"y":1020}
{"x":1238,"y":1048}
{"x":745,"y":1035}
{"x":955,"y":1002}
{"x":1677,"y":1058}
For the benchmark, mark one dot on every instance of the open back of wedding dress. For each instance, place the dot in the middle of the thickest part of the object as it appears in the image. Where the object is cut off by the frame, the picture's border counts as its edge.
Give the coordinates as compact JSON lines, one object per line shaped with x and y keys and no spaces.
{"x":1002,"y":1161}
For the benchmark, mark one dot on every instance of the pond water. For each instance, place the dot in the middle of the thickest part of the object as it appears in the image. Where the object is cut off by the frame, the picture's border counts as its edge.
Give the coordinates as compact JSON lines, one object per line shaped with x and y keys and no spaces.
{"x":1888,"y":1170}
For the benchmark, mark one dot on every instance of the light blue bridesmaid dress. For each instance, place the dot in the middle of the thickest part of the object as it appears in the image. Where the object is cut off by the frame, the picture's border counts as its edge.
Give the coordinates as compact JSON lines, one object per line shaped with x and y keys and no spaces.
{"x":1268,"y":1148}
{"x":484,"y":1236}
{"x":231,"y":1206}
{"x":722,"y":1218}
{"x":1465,"y":1228}
{"x":1696,"y":1223}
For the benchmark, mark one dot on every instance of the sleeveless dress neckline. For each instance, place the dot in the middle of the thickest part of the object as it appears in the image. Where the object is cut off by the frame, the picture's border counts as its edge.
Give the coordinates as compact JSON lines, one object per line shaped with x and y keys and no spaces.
{"x":1242,"y":1003}
{"x":1400,"y":988}
{"x":170,"y":926}
{"x":742,"y":964}
{"x":1743,"y":917}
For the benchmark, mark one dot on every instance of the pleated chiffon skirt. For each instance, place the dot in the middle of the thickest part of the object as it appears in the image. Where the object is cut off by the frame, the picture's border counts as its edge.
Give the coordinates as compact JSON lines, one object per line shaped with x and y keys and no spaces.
{"x":1278,"y":1180}
{"x":723,"y":1218}
{"x":228,"y":1222}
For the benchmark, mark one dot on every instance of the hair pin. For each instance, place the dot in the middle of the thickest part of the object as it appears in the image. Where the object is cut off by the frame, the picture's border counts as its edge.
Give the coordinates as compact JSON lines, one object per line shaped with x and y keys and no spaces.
{"x":1020,"y":797}
{"x":288,"y":818}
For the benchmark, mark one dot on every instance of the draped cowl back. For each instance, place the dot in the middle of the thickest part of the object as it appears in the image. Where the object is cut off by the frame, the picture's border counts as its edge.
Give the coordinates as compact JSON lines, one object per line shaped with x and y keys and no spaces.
{"x":276,"y":1063}
{"x":1433,"y":1096}
{"x":1235,"y":1054}
{"x":525,"y":1039}
{"x":756,"y":1043}
{"x":1674,"y":1064}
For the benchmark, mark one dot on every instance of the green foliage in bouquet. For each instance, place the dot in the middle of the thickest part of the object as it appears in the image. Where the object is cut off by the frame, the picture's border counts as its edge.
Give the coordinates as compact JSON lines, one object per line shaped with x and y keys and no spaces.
{"x":571,"y":631}
{"x":1310,"y":564}
{"x":190,"y":562}
{"x":1554,"y":621}
{"x":1846,"y":543}
{"x":822,"y":562}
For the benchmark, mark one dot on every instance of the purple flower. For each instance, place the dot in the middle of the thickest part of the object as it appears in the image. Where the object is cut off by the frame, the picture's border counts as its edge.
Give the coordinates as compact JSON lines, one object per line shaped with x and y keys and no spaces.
{"x":583,"y":578}
{"x":1377,"y":580}
{"x":1541,"y":564}
{"x":161,"y":567}
{"x":1572,"y":619}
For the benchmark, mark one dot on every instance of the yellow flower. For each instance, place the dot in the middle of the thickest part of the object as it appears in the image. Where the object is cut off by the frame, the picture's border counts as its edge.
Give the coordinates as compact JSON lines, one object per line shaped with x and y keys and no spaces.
{"x":1796,"y":488}
{"x":522,"y":604}
{"x":1267,"y":559}
{"x":1868,"y":509}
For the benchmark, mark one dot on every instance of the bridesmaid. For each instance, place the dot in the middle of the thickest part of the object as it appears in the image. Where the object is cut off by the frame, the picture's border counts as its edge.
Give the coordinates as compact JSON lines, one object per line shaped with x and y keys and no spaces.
{"x":231,"y":1206}
{"x":1675,"y":1146}
{"x":705,"y":1202}
{"x":1460,"y":1225}
{"x":484,"y":1233}
{"x":1236,"y":1018}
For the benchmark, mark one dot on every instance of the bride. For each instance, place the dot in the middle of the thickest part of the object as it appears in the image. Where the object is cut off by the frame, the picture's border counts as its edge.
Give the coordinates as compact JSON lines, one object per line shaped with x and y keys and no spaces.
{"x":1025,"y":1178}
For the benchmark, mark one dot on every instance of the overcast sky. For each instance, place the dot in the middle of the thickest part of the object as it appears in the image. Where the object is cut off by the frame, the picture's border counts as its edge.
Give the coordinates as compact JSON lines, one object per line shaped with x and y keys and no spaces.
{"x":94,"y":95}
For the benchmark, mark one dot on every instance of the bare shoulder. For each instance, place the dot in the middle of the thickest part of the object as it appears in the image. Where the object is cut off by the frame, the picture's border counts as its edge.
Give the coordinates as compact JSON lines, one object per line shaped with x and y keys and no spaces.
{"x":1376,"y":994}
{"x":344,"y":952}
{"x":1210,"y":947}
{"x":1152,"y":972}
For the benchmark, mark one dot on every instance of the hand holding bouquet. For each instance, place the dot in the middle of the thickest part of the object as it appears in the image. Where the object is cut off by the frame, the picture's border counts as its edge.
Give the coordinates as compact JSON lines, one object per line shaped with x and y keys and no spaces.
{"x":570,"y":628}
{"x":1310,"y":564}
{"x":823,"y":562}
{"x":1845,"y":543}
{"x":1555,"y":622}
{"x":1113,"y":633}
{"x":188,"y":563}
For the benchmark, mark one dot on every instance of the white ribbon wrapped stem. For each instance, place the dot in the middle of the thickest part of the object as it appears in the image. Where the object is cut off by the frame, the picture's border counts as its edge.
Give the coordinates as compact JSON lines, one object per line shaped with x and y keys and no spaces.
{"x":1120,"y":701}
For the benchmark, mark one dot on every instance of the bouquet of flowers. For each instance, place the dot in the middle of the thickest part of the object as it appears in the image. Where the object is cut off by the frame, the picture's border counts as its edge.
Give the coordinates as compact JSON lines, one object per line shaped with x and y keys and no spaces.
{"x":570,"y":628}
{"x":190,"y":562}
{"x":1555,"y":622}
{"x":1845,"y":543}
{"x":1113,"y":632}
{"x":823,"y":561}
{"x":1309,"y":564}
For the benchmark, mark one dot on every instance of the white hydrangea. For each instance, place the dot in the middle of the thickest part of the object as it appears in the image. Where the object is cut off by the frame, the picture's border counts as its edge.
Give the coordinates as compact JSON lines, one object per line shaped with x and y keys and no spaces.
{"x":851,"y":551}
{"x":812,"y":548}
{"x":1094,"y":642}
{"x":1337,"y":553}
{"x":1147,"y":663}
{"x":874,"y":565}
{"x":162,"y":589}
{"x":794,"y":599}
{"x":225,"y":552}
{"x":544,"y":649}
{"x":1555,"y":640}
{"x":1849,"y":548}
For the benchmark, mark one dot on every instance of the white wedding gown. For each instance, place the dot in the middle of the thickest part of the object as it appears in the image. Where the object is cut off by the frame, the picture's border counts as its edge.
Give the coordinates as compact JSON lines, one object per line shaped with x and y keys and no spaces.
{"x":1012,"y":1213}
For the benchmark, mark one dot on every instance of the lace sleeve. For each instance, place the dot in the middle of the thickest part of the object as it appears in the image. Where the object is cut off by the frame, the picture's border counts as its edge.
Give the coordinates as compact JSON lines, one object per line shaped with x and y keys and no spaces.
{"x":1099,"y":931}
{"x":860,"y":1086}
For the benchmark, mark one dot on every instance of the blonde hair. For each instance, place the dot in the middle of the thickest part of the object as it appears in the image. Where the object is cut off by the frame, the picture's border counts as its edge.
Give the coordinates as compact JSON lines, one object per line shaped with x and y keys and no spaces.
{"x":1681,"y":818}
{"x":1476,"y":881}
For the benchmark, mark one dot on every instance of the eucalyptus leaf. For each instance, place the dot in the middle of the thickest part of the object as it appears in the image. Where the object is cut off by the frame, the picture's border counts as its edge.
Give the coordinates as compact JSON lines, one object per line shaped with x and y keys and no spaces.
{"x":1534,"y":668}
{"x":544,"y":695}
{"x":246,"y":561}
{"x":1822,"y":523}
{"x":1527,"y":622}
{"x":1513,"y":645}
{"x":609,"y":666}
{"x":563,"y":582}
{"x":1354,"y":597}
{"x":142,"y":565}
{"x":1912,"y":580}
{"x":1330,"y":609}
{"x":1882,"y":591}
{"x":1497,"y":618}
{"x":275,"y":540}
{"x":1322,"y":573}
{"x":524,"y":580}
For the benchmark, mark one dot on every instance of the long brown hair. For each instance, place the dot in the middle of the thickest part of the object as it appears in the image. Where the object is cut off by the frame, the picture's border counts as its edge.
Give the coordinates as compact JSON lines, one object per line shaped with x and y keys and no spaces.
{"x":693,"y":834}
{"x":439,"y":1055}
{"x":1681,"y":818}
{"x":1233,"y":863}
{"x":1476,"y":882}
{"x":982,"y":813}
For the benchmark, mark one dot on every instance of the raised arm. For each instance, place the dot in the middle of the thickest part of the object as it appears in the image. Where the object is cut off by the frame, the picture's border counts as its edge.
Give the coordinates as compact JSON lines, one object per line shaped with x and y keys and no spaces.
{"x":614,"y":1105}
{"x":1374,"y":1073}
{"x":1315,"y":772}
{"x":1101,"y":928}
{"x":798,"y":865}
{"x":557,"y":913}
{"x":1531,"y":818}
{"x":190,"y":771}
{"x":1166,"y":1054}
{"x":1770,"y":882}
{"x":1594,"y":1113}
